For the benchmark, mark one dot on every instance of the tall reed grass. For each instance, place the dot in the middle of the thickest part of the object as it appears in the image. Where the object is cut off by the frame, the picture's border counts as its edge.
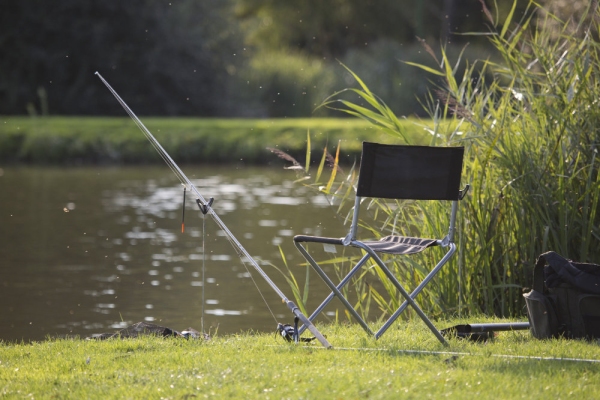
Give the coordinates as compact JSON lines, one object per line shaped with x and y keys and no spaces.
{"x":531,"y":129}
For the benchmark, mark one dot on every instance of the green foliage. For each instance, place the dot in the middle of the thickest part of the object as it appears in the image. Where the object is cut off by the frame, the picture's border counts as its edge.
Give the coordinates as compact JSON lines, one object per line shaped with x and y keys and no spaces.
{"x":330,"y":29}
{"x":288,"y":84}
{"x":284,"y":83}
{"x":199,"y":57}
{"x":530,"y":128}
{"x":166,"y":58}
{"x":296,"y":46}
{"x":532,"y":142}
{"x":384,"y":67}
{"x":300,"y":295}
{"x":406,"y":362}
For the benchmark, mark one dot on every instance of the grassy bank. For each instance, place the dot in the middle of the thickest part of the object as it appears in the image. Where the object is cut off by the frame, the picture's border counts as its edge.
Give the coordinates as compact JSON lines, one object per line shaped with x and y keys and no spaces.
{"x":263,"y":366}
{"x":74,"y":140}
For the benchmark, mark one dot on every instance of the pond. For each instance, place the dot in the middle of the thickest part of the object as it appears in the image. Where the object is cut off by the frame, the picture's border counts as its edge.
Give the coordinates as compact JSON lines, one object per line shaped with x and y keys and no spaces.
{"x":87,"y":250}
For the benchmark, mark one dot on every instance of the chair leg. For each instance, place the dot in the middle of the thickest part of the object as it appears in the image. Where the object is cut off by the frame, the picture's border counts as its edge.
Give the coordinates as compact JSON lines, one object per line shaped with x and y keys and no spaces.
{"x":342,"y":283}
{"x":409,"y":298}
{"x":417,"y":290}
{"x":404,"y":293}
{"x":333,"y":288}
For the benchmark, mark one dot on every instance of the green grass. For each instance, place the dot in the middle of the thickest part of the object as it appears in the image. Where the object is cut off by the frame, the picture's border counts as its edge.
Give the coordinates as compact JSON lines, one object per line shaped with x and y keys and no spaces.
{"x":73,"y":140}
{"x":253,"y":365}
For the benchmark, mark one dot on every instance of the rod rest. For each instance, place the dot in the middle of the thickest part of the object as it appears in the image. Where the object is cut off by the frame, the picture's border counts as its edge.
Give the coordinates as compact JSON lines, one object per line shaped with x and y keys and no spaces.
{"x":318,"y":239}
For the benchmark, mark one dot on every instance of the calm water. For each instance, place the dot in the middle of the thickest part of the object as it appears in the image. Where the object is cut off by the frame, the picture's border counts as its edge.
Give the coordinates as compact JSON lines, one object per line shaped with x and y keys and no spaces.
{"x":89,"y":250}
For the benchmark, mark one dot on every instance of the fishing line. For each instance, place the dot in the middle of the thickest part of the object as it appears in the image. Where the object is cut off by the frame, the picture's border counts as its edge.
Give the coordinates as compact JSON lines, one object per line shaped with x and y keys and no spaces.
{"x":183,"y":212}
{"x":457,"y":354}
{"x":206,"y":208}
{"x":255,"y":284}
{"x":187,"y":183}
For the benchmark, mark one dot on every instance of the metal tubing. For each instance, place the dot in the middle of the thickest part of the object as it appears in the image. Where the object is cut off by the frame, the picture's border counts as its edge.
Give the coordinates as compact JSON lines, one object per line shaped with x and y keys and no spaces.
{"x":416,"y":291}
{"x":354,"y":227}
{"x":342,"y":283}
{"x":452,"y":221}
{"x":402,"y":291}
{"x":495,"y":327}
{"x":334,"y":289}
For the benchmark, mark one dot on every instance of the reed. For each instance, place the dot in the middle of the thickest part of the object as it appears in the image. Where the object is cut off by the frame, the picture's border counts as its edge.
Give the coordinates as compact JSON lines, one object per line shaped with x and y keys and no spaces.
{"x":530,"y":129}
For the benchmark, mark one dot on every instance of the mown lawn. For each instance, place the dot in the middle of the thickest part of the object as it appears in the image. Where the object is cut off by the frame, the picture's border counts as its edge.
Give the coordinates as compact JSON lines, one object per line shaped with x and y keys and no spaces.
{"x":407,"y":362}
{"x":76,"y":140}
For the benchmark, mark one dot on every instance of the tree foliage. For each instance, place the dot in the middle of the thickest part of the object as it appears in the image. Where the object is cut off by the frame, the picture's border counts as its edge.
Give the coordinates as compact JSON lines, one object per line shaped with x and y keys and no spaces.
{"x":250,"y":58}
{"x":175,"y":51}
{"x":331,"y":28}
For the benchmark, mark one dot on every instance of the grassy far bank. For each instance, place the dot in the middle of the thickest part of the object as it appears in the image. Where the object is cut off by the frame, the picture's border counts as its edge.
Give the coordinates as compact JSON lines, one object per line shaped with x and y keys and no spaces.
{"x":263,"y":366}
{"x":89,"y":140}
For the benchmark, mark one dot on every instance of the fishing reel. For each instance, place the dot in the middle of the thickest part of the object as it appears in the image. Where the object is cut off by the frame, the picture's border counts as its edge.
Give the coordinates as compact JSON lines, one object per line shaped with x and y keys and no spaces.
{"x":290,"y":333}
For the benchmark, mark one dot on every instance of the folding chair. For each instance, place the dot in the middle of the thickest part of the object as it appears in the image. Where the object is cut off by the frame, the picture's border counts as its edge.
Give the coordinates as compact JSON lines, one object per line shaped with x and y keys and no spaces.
{"x":396,"y":172}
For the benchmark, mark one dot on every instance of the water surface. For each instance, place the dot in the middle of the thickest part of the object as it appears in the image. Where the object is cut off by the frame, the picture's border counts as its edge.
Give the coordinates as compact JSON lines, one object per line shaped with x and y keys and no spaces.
{"x":88,"y":250}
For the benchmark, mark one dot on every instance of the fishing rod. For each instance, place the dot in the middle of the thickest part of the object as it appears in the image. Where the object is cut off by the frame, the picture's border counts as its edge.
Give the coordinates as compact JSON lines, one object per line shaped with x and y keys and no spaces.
{"x":206,"y":208}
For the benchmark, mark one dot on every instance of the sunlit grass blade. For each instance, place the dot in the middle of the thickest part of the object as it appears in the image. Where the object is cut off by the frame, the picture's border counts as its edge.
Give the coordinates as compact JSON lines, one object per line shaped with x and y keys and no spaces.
{"x":508,"y":19}
{"x":321,"y":165}
{"x":334,"y":169}
{"x":425,"y":68}
{"x":308,"y":152}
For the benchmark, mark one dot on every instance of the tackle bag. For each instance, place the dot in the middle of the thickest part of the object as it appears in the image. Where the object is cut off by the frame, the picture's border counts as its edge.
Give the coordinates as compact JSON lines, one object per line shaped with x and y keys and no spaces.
{"x":565,"y":300}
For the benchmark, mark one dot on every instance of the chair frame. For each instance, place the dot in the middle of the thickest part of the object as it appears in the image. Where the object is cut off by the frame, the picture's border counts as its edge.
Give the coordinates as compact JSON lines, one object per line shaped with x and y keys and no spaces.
{"x":351,"y":240}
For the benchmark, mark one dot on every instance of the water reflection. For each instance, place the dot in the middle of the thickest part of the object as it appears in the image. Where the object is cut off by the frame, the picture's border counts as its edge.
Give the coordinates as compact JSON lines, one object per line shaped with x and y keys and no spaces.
{"x":92,"y":249}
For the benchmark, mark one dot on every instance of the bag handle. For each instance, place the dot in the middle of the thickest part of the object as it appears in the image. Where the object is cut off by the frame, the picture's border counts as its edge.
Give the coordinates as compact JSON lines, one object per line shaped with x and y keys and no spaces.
{"x":538,"y":274}
{"x":569,"y":272}
{"x":560,"y":265}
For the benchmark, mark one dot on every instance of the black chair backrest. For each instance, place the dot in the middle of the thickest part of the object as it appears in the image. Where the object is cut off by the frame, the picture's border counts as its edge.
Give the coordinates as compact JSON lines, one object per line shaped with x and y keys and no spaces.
{"x":410,"y":172}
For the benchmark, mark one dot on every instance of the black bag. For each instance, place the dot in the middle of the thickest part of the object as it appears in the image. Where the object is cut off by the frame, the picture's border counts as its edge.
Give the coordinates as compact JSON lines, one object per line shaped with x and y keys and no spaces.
{"x":565,"y":300}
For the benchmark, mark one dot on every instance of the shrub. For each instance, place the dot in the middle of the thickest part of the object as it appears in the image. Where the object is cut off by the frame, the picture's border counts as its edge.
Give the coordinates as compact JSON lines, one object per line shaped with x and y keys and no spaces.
{"x":288,"y":84}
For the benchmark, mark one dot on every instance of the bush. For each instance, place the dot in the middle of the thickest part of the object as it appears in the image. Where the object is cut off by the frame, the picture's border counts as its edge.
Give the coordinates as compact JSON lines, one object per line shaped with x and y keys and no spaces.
{"x":288,"y":84}
{"x":381,"y":67}
{"x":293,"y":84}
